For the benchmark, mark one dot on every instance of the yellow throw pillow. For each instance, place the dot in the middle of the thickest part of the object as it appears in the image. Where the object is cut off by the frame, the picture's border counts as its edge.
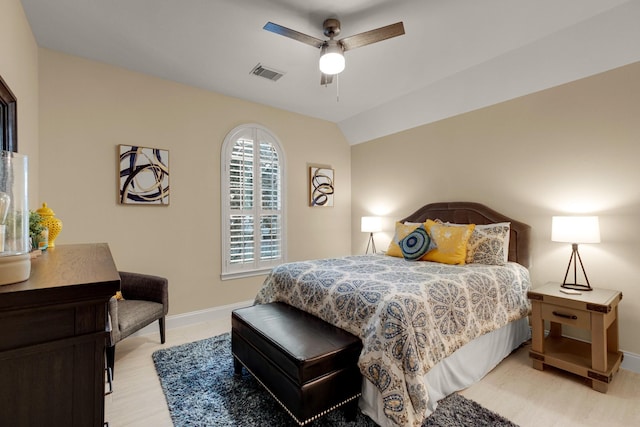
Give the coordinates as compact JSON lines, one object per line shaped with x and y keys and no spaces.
{"x":402,"y":231}
{"x":119,"y":296}
{"x":451,"y":242}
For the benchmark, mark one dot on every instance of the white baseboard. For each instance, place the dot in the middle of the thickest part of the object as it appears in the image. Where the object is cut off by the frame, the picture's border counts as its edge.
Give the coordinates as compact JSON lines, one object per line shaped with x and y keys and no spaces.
{"x":631,"y":361}
{"x":187,"y":319}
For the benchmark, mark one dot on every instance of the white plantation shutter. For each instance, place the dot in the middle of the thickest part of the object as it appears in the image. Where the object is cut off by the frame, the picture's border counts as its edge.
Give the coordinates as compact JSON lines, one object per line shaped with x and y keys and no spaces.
{"x":252,"y":202}
{"x":271,"y":198}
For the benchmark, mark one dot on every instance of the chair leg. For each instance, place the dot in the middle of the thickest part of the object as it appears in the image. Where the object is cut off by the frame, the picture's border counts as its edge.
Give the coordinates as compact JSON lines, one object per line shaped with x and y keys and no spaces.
{"x":161,"y":324}
{"x":111,"y":358}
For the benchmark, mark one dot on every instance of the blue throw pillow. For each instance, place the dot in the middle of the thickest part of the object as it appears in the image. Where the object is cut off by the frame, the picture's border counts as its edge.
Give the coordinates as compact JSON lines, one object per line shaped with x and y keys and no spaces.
{"x":416,"y":244}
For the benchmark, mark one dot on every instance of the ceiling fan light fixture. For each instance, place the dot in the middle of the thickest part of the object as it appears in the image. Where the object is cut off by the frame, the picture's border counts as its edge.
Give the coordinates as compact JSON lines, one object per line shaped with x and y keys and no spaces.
{"x":331,"y":58}
{"x":332,"y":51}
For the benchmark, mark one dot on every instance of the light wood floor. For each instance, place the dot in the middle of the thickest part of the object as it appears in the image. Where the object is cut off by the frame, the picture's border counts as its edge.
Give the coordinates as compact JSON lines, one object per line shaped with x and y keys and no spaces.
{"x":513,"y":389}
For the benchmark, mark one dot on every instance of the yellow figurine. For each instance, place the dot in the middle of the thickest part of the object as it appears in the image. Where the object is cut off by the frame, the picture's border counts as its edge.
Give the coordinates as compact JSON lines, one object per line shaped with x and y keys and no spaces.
{"x":51,"y":222}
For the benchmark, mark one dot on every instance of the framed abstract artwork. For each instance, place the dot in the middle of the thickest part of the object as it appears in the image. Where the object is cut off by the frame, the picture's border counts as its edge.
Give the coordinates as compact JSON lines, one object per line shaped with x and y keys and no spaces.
{"x":143,"y":175}
{"x":321,"y":186}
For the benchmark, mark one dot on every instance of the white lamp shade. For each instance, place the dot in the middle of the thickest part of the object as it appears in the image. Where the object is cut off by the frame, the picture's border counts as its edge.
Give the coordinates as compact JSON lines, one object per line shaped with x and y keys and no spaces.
{"x":371,"y":224}
{"x":575,"y":229}
{"x":331,"y":58}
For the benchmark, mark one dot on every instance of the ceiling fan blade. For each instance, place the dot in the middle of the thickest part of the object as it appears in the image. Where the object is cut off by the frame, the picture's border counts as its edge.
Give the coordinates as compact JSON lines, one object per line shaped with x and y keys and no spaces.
{"x":326,"y":79}
{"x":293,"y":34}
{"x":372,"y":36}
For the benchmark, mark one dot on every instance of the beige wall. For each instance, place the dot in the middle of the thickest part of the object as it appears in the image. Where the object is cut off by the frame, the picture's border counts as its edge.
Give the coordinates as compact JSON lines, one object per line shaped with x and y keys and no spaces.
{"x":19,"y":70}
{"x":571,"y":149}
{"x":88,"y":108}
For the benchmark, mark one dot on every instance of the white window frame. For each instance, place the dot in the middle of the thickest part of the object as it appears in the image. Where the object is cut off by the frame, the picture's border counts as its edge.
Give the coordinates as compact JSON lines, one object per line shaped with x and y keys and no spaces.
{"x":257,"y":266}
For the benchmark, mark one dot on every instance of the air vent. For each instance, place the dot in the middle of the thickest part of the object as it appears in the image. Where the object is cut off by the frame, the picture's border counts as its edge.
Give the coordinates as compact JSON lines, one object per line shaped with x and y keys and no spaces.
{"x":267,"y":73}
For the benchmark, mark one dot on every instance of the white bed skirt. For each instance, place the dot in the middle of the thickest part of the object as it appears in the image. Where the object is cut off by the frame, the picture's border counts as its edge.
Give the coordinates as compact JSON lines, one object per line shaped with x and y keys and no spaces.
{"x":456,"y":372}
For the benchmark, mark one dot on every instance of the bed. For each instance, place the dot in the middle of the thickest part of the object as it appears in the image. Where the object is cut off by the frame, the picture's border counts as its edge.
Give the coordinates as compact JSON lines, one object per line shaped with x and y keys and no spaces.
{"x":428,"y":328}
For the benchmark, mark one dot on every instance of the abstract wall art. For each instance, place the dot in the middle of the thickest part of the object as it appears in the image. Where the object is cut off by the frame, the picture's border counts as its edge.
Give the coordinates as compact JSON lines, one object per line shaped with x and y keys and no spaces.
{"x":321,"y":186}
{"x":144,"y":175}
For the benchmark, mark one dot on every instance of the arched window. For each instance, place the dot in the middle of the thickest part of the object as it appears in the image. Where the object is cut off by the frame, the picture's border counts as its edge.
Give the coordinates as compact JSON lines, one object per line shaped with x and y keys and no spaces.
{"x":253,"y":223}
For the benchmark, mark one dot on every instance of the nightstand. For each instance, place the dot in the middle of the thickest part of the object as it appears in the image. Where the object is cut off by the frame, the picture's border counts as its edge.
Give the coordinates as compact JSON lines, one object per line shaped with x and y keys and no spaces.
{"x":596,"y":311}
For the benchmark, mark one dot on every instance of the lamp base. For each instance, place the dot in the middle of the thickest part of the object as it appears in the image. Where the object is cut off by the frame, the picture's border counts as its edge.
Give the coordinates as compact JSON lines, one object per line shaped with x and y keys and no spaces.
{"x":371,"y":243}
{"x":575,"y":258}
{"x":576,"y":286}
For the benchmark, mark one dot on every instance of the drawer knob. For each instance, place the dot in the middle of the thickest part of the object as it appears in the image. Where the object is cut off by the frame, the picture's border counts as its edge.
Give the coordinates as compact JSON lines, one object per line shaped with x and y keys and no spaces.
{"x":566,"y":316}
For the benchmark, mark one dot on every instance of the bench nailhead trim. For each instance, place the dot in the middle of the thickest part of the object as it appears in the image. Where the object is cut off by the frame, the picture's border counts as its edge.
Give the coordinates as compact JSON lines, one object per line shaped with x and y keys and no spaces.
{"x":315,"y":417}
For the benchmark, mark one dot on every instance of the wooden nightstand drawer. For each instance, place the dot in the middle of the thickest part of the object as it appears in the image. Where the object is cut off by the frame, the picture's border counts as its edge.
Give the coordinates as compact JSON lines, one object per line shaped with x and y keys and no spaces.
{"x":566,"y":316}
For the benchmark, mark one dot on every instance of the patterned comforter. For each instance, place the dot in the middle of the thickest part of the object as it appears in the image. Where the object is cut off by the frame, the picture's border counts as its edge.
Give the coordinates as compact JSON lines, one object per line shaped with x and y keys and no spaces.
{"x":409,"y":315}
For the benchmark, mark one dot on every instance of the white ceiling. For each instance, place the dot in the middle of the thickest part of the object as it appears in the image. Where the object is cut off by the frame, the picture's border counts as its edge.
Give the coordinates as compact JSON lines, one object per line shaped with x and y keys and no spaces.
{"x":456,"y":55}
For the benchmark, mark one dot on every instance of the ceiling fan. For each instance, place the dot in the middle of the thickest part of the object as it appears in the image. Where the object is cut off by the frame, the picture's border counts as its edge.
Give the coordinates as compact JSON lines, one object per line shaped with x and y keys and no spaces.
{"x":332,"y":51}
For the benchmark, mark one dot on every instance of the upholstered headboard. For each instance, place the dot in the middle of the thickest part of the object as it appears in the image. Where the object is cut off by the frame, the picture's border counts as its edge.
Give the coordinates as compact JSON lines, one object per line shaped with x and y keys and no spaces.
{"x":476,"y":213}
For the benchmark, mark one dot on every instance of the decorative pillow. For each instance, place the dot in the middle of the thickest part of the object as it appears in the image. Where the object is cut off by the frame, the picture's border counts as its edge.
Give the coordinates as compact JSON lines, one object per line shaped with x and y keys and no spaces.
{"x":402,"y":231}
{"x":416,"y":244}
{"x":119,"y":296}
{"x":489,"y":244}
{"x":451,"y":242}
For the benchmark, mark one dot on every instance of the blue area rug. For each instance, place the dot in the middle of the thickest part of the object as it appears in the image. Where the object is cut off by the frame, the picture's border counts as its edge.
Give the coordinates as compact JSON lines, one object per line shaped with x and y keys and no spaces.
{"x":201,"y":390}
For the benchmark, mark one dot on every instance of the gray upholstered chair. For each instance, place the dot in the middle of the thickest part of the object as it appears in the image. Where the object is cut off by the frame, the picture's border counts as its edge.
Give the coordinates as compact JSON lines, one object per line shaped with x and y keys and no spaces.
{"x":145,"y":300}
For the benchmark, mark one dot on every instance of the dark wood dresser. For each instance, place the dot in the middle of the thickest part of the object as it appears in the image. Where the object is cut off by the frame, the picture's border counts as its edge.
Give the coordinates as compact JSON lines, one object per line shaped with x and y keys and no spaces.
{"x":52,"y":338}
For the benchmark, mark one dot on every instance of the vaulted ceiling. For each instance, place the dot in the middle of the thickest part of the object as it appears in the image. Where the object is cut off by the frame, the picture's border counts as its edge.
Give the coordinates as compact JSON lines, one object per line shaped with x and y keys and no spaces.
{"x":456,"y":55}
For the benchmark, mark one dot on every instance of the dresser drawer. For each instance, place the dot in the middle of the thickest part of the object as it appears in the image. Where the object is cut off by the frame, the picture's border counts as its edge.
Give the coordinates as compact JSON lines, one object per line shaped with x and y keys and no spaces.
{"x":566,"y":316}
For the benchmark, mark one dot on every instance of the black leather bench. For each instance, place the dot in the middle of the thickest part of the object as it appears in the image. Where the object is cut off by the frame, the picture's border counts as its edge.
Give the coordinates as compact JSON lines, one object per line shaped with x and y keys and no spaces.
{"x":308,"y":366}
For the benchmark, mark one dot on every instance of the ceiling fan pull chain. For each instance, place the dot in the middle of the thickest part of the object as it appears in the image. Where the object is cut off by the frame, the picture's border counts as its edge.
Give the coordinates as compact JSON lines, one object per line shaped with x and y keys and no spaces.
{"x":337,"y":87}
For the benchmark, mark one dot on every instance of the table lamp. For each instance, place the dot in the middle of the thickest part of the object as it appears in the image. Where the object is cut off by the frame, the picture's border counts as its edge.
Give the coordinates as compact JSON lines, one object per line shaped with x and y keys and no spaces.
{"x":371,"y":224}
{"x":575,"y":230}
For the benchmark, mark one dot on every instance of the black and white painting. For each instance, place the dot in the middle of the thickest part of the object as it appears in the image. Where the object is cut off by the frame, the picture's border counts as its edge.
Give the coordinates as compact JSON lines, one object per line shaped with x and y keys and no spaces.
{"x":144,"y":175}
{"x":321,"y":186}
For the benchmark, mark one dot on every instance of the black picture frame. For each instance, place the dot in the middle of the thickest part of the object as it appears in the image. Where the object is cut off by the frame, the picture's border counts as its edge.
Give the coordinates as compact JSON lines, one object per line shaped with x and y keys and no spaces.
{"x":8,"y":118}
